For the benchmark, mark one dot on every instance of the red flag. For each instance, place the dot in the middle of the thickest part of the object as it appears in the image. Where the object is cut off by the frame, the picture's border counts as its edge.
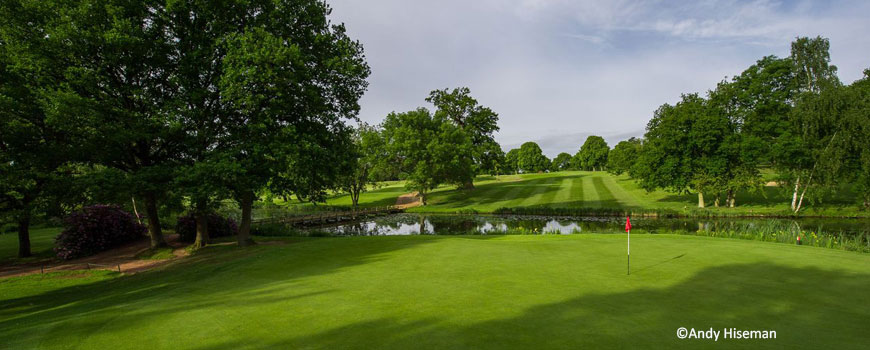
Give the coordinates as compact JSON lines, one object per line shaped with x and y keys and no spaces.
{"x":627,"y":224}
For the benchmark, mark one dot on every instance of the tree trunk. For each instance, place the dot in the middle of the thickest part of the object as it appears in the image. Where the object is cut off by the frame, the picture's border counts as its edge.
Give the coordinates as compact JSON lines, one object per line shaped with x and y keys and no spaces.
{"x":354,"y":197}
{"x":24,"y":235}
{"x":154,"y":230}
{"x":468,"y":185}
{"x":136,"y":211}
{"x":700,"y":199}
{"x":716,"y":201}
{"x":246,"y":202}
{"x":731,"y":199}
{"x":794,"y":196}
{"x":201,"y":230}
{"x":801,"y":200}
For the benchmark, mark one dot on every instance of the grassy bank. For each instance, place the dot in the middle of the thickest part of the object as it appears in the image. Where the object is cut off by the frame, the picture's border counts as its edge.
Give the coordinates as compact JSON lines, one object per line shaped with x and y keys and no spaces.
{"x":588,"y":192}
{"x":428,"y":292}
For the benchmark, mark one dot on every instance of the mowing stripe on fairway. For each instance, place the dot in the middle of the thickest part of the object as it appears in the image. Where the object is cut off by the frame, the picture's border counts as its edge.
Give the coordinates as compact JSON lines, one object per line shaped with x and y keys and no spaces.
{"x":563,"y":196}
{"x":535,"y":197}
{"x":491,"y":197}
{"x":623,"y":197}
{"x":577,"y":196}
{"x":554,"y":186}
{"x":591,"y":197}
{"x":519,"y":192}
{"x":605,"y":197}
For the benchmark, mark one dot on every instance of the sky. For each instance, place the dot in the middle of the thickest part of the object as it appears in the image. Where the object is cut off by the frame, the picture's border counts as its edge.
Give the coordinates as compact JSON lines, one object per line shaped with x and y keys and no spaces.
{"x":557,"y":71}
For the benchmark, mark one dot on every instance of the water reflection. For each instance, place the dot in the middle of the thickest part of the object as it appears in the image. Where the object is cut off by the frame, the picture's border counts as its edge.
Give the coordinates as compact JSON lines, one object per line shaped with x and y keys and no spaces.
{"x":416,"y":224}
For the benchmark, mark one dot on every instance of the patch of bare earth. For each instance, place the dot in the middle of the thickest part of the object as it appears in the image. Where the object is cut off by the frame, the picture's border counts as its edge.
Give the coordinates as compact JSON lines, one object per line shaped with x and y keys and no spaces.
{"x":409,"y":200}
{"x":123,"y":259}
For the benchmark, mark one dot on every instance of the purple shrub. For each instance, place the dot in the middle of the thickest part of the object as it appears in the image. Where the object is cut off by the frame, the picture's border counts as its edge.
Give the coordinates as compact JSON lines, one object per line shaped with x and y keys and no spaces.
{"x":95,"y":229}
{"x":218,"y":226}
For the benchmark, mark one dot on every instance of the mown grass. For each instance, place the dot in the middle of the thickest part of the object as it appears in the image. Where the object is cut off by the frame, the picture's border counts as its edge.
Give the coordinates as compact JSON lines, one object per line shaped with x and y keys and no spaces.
{"x":436,"y":292}
{"x":41,"y":244}
{"x":156,"y":254}
{"x":589,"y":190}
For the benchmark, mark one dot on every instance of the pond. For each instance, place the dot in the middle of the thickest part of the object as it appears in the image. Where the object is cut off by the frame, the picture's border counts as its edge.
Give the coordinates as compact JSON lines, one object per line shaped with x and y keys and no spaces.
{"x":416,"y":224}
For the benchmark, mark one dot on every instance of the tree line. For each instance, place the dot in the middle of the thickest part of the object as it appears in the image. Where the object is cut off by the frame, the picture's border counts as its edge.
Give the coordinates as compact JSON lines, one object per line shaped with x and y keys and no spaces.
{"x":451,"y":145}
{"x":172,"y":104}
{"x":182,"y":105}
{"x":791,"y":115}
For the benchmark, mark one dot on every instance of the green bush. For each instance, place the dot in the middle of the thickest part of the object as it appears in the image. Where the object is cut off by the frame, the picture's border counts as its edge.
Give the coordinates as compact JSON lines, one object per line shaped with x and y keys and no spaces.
{"x":95,"y":229}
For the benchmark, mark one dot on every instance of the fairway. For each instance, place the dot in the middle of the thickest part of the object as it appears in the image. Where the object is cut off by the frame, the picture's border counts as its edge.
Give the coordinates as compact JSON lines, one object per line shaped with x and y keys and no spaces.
{"x":587,"y":189}
{"x":466,"y":292}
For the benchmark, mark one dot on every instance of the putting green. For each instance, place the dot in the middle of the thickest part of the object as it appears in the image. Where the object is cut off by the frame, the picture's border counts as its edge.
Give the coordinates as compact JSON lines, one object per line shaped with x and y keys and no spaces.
{"x":436,"y":292}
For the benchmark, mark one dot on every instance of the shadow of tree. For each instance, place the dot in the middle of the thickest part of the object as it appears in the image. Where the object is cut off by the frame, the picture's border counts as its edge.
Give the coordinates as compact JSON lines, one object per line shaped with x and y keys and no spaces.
{"x":808,"y":308}
{"x":262,"y":279}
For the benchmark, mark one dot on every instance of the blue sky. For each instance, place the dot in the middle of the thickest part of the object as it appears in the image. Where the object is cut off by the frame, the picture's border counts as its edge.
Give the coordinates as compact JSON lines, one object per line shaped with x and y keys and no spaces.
{"x":557,"y":71}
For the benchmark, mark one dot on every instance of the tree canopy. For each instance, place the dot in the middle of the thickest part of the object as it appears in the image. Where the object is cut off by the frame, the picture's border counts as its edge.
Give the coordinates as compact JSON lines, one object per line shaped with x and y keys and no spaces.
{"x":209,"y":100}
{"x":530,"y":158}
{"x":478,"y":122}
{"x":431,"y":150}
{"x":593,"y":154}
{"x":623,"y":156}
{"x":561,"y":162}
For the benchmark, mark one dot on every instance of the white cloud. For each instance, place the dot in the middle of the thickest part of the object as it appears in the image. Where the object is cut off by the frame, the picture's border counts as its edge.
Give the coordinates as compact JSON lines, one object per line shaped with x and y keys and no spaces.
{"x":557,"y":70}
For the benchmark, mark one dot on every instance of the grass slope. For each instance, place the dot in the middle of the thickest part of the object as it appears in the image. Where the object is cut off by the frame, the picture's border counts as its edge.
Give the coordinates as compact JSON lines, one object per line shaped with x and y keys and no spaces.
{"x":581,"y":189}
{"x":436,"y":292}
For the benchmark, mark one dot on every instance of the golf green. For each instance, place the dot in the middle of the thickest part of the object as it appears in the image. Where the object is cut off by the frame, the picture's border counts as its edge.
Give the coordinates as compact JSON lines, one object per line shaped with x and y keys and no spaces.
{"x":436,"y":292}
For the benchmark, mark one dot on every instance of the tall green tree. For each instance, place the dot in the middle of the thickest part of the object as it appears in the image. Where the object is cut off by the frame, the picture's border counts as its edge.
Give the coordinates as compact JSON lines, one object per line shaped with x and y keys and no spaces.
{"x":683,"y":149}
{"x":369,"y":154}
{"x":431,"y":150}
{"x":761,"y":99}
{"x":856,"y":150}
{"x":477,"y":121}
{"x":561,"y":162}
{"x":38,"y":140}
{"x":511,"y":161}
{"x":530,"y":158}
{"x":737,"y":151}
{"x":492,"y":159}
{"x":117,"y":68}
{"x":289,"y":91}
{"x":623,"y":156}
{"x":813,"y":126}
{"x":33,"y":148}
{"x":593,"y":154}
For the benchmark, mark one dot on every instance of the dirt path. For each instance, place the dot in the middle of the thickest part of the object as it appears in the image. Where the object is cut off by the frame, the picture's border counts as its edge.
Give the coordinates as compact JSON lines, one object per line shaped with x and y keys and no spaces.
{"x":123,"y":258}
{"x":409,"y":200}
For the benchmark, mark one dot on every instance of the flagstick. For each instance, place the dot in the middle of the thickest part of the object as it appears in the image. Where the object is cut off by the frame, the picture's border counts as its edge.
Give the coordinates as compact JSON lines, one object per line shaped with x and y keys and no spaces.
{"x":629,"y":252}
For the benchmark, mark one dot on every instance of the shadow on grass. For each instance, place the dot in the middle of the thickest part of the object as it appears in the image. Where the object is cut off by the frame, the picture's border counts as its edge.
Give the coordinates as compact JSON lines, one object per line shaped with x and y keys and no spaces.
{"x":213,"y":277}
{"x":808,"y":308}
{"x":494,"y":192}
